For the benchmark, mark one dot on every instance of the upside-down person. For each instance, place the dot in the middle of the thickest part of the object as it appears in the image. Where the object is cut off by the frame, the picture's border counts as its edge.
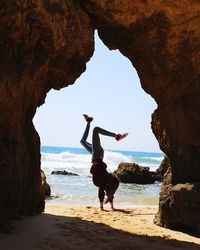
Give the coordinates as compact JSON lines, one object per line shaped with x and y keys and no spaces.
{"x":107,"y":182}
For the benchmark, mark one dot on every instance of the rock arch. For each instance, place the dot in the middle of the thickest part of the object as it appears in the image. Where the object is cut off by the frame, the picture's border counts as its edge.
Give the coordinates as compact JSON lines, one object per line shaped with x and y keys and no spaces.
{"x":46,"y":44}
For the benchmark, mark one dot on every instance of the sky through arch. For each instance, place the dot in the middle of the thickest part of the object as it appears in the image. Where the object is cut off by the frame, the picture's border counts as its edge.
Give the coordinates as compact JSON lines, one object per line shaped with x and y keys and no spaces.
{"x":110,"y":91}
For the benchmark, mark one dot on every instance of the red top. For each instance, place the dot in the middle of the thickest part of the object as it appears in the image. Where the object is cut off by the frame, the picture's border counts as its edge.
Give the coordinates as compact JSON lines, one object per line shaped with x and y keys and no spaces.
{"x":100,"y":177}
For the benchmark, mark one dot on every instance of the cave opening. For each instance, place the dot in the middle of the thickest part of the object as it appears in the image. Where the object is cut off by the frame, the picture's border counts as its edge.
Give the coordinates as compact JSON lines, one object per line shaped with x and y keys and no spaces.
{"x":110,"y":91}
{"x":46,"y":46}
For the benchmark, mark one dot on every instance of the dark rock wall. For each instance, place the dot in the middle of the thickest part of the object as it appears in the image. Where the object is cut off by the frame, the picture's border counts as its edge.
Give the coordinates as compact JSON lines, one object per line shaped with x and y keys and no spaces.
{"x":44,"y":44}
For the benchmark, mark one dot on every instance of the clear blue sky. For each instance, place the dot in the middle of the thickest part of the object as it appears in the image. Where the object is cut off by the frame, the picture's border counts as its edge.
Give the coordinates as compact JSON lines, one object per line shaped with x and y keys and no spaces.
{"x":110,"y":91}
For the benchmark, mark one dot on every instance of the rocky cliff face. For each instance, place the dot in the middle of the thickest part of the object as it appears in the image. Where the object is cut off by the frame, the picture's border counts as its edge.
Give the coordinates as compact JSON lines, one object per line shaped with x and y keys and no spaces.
{"x":45,"y":44}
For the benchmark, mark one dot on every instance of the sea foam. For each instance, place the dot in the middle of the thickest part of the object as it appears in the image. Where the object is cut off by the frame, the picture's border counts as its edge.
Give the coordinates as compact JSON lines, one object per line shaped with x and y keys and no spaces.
{"x":80,"y":163}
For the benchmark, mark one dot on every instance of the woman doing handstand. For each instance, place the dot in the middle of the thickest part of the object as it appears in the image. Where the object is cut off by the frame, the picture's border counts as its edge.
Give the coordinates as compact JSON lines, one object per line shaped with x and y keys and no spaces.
{"x":101,"y":178}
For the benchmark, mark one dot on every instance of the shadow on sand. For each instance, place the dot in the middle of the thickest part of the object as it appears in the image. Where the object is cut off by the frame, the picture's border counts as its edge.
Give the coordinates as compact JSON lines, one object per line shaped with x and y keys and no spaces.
{"x":47,"y":232}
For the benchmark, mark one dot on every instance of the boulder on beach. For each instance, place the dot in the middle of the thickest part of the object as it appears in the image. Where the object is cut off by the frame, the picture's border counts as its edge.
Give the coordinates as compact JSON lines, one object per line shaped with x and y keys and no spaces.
{"x":133,"y":173}
{"x":64,"y":172}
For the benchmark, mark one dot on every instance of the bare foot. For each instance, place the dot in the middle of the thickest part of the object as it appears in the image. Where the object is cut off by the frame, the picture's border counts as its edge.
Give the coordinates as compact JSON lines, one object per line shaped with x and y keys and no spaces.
{"x":121,"y":136}
{"x":88,"y":118}
{"x":101,"y":206}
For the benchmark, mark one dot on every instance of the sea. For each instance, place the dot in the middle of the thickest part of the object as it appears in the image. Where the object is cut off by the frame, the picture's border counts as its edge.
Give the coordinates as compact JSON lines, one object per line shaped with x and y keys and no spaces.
{"x":80,"y":190}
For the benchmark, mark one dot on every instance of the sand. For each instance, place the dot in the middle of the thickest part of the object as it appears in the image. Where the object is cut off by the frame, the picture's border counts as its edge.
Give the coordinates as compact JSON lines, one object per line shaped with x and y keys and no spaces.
{"x":69,"y":227}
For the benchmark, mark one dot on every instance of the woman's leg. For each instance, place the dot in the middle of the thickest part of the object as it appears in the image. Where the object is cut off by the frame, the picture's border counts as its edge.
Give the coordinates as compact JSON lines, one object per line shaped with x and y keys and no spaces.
{"x":83,"y":141}
{"x":97,"y":149}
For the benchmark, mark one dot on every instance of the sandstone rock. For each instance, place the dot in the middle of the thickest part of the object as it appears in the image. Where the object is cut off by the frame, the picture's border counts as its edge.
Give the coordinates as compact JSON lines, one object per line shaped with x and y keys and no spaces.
{"x":183,"y":212}
{"x":46,"y":44}
{"x":133,"y":173}
{"x":45,"y":186}
{"x":63,"y":172}
{"x":159,"y":173}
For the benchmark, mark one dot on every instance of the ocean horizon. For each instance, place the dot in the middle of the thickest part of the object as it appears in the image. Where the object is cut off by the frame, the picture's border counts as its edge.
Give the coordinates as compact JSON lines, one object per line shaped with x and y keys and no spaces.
{"x":81,"y":190}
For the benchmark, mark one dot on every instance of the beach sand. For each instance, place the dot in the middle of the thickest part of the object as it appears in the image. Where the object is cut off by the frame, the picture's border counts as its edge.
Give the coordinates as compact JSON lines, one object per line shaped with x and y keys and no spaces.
{"x":64,"y":227}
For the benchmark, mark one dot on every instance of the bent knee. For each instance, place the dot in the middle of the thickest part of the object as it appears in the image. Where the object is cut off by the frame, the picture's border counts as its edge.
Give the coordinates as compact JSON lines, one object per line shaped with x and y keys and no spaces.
{"x":82,"y":142}
{"x":96,"y":129}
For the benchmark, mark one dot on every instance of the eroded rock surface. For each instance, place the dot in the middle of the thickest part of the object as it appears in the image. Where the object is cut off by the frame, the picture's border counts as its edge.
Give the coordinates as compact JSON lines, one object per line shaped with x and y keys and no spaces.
{"x":44,"y":185}
{"x":179,"y":205}
{"x":160,"y":172}
{"x":133,"y":173}
{"x":46,"y":43}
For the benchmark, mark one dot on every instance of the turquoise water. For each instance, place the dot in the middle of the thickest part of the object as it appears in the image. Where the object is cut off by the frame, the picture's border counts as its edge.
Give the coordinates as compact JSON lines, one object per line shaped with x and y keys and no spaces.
{"x":80,"y":189}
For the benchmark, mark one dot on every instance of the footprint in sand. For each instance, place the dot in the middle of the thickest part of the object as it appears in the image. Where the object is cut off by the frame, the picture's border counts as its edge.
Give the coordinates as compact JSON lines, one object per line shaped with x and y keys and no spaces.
{"x":96,"y":212}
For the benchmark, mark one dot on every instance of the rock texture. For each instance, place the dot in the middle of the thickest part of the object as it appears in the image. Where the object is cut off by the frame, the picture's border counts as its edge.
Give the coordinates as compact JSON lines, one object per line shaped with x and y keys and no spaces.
{"x":44,"y":185}
{"x":46,"y":43}
{"x":133,"y":173}
{"x":164,"y":165}
{"x":162,"y":40}
{"x":179,"y":204}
